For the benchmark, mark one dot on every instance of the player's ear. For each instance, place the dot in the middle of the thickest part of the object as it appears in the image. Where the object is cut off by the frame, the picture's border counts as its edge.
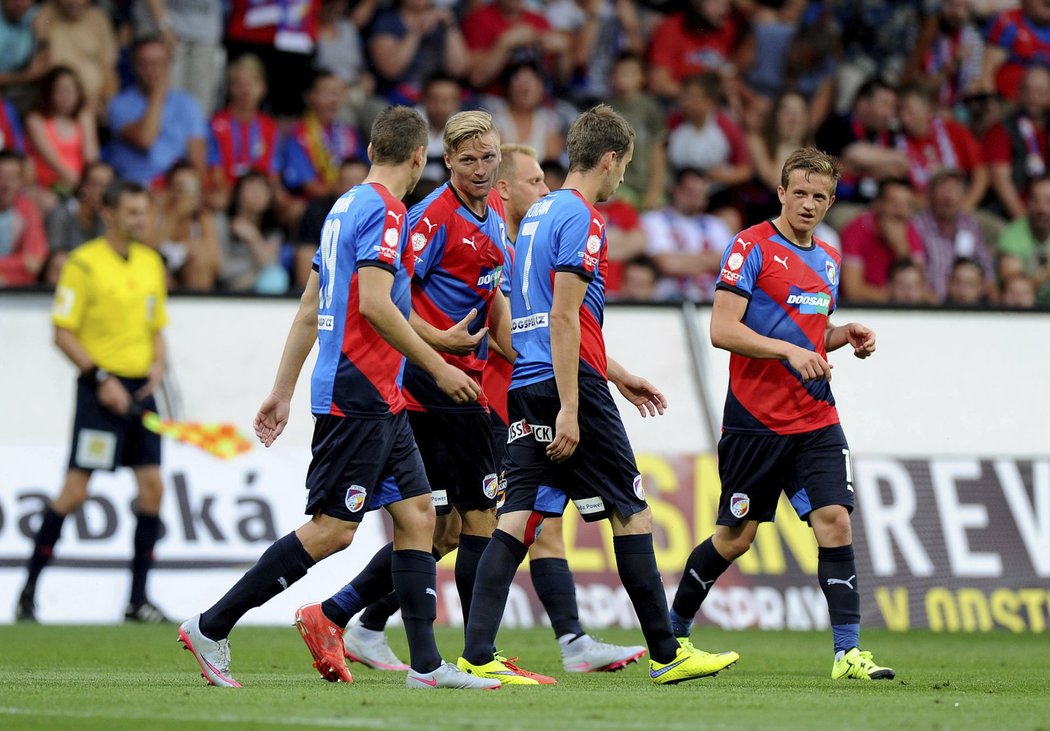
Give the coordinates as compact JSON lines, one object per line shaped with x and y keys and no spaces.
{"x":419,"y":156}
{"x":370,"y":156}
{"x":608,"y":160}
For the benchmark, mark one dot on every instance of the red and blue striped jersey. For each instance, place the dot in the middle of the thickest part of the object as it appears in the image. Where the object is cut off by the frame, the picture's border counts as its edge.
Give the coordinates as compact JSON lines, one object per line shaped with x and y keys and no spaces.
{"x":561,"y":232}
{"x":238,"y":147}
{"x":459,"y":260}
{"x":791,"y":291}
{"x":357,"y":372}
{"x":495,"y":381}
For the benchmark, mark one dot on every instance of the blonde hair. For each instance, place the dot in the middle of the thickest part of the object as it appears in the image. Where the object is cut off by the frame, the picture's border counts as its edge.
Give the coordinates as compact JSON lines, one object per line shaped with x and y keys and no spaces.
{"x":508,"y":166}
{"x":811,"y":161}
{"x":464,"y":126}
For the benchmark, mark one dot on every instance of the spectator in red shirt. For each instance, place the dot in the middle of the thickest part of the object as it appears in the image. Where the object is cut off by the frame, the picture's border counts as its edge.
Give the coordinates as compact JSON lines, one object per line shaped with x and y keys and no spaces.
{"x":700,"y":38}
{"x":23,"y":243}
{"x":877,"y":238}
{"x":932,"y":142}
{"x":1017,"y":39}
{"x":1017,"y":148}
{"x":503,"y":33}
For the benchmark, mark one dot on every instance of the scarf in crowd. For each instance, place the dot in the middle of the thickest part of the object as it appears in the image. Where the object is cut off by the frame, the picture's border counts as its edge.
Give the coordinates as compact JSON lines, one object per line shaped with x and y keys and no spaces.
{"x":924,"y":160}
{"x":327,"y":147}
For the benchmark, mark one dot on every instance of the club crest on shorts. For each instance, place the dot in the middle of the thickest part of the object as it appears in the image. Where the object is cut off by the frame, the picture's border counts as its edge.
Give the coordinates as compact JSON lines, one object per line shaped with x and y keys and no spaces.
{"x":489,"y":486}
{"x":739,"y":504}
{"x":355,"y":498}
{"x":639,"y":491}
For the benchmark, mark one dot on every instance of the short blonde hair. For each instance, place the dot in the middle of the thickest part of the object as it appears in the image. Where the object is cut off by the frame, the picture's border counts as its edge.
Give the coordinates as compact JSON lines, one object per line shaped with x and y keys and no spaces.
{"x":463,"y":126}
{"x":811,"y":161}
{"x":508,"y":166}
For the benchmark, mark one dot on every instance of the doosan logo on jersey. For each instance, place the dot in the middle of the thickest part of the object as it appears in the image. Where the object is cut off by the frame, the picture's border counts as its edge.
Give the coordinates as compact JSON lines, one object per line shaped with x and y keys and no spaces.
{"x":487,"y":279}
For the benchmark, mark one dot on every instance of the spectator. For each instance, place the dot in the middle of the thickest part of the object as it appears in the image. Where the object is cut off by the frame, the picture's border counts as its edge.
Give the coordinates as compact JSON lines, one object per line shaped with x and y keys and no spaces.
{"x":708,"y":139}
{"x":77,"y":219}
{"x":699,"y":39}
{"x":906,"y":285}
{"x":932,"y":142}
{"x":11,"y":135}
{"x":442,"y":97}
{"x":645,"y":180}
{"x":193,"y":31}
{"x":947,"y":60}
{"x":862,"y":140}
{"x":283,"y":33}
{"x":877,"y":238}
{"x":411,"y":41}
{"x":786,"y":129}
{"x":639,"y":280}
{"x":154,"y":126}
{"x":242,"y":138}
{"x":23,"y":244}
{"x":81,"y":36}
{"x":1018,"y":148}
{"x":186,"y":233}
{"x":319,"y":142}
{"x":63,"y":132}
{"x":685,"y":242}
{"x":1024,"y":245}
{"x":504,"y":33}
{"x":1016,"y":40}
{"x":251,"y":248}
{"x":23,"y":59}
{"x":966,"y":284}
{"x":339,"y":45}
{"x":1019,"y":291}
{"x":949,"y":233}
{"x":308,"y":236}
{"x":624,"y":237}
{"x":525,"y":119}
{"x":553,"y":174}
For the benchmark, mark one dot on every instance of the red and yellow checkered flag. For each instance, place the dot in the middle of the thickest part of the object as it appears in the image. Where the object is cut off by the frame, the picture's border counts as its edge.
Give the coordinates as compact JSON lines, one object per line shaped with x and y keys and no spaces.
{"x":220,"y":440}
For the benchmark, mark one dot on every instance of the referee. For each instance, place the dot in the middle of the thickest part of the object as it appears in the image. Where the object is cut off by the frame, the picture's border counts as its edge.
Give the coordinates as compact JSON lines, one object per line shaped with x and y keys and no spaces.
{"x":108,"y":313}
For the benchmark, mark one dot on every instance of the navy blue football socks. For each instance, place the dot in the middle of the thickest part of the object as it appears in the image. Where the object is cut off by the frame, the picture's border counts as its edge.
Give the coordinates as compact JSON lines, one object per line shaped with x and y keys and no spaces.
{"x":636,"y":564}
{"x":280,"y":566}
{"x":837,"y":574}
{"x":702,"y":569}
{"x":379,"y":612}
{"x":467,"y":556}
{"x":415,"y":582}
{"x":552,"y":579}
{"x":147,"y":530}
{"x":372,"y":584}
{"x":491,"y":588}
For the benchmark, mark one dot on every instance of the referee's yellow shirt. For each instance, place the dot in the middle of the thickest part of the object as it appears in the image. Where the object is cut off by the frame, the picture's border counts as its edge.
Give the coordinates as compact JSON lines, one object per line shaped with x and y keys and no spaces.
{"x":113,"y":305}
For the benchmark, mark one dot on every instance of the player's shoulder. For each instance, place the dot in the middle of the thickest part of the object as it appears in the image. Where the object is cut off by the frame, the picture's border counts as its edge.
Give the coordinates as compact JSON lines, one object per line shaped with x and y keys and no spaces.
{"x":436,"y":207}
{"x":829,"y":251}
{"x":759,"y":234}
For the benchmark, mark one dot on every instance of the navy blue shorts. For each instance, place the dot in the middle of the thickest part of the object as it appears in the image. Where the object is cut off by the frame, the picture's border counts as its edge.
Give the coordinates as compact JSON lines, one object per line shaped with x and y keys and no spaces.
{"x":360,"y":465}
{"x":456,"y":447}
{"x":103,"y":440}
{"x":499,"y":436}
{"x":601,"y":477}
{"x":813,"y":469}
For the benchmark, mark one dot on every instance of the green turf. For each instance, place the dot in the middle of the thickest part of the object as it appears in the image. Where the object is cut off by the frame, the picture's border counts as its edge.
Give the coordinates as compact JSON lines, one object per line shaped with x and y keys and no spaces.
{"x":57,"y":677}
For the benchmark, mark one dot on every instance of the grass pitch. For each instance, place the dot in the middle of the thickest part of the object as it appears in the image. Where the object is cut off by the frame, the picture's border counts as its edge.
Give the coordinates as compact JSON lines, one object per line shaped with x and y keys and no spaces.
{"x":138,"y":677}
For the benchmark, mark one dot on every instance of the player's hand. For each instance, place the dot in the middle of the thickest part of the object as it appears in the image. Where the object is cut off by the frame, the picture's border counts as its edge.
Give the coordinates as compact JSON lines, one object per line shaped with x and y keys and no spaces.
{"x":810,"y":365}
{"x":457,"y":340}
{"x":644,"y":395}
{"x":113,"y":395}
{"x":271,"y":418}
{"x":460,"y":387}
{"x":156,"y":375}
{"x":861,"y":338}
{"x":566,"y":436}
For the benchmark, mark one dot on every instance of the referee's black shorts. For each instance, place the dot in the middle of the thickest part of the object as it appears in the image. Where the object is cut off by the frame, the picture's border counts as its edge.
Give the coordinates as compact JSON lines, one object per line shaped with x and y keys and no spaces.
{"x":103,"y":440}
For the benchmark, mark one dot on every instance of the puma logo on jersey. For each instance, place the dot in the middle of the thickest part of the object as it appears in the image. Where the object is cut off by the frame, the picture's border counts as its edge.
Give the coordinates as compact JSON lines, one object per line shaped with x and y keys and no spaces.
{"x":430,"y":226}
{"x":470,"y":242}
{"x":599,"y":224}
{"x":845,"y":582}
{"x":745,"y":244}
{"x":783,"y":261}
{"x":395,"y":216}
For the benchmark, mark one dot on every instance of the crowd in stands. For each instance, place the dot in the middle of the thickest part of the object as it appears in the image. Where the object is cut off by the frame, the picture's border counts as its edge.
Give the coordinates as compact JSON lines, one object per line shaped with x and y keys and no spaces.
{"x":246,"y":118}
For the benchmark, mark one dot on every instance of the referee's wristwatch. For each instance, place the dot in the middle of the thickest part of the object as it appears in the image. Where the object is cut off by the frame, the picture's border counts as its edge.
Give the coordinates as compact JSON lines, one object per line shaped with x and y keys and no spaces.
{"x":97,"y":376}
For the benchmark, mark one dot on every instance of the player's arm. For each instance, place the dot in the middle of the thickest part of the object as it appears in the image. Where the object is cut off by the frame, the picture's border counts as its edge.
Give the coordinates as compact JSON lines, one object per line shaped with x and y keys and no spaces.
{"x":375,"y":305}
{"x":499,"y":326}
{"x":273,"y":413}
{"x":457,"y":340}
{"x":644,"y":395}
{"x":569,"y":291}
{"x":728,"y":332}
{"x":860,"y":337}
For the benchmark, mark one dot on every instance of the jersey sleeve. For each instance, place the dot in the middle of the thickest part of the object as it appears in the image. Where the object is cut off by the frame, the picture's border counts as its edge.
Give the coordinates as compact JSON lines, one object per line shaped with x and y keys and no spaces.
{"x":741,"y":265}
{"x":377,"y":240}
{"x":579,"y":241}
{"x":71,"y":294}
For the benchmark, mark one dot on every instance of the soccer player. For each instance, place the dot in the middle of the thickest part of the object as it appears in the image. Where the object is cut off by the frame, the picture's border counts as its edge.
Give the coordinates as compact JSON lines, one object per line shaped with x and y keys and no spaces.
{"x":115,"y":337}
{"x":519,"y":183}
{"x":559,"y":400}
{"x":356,"y":305}
{"x":780,"y":429}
